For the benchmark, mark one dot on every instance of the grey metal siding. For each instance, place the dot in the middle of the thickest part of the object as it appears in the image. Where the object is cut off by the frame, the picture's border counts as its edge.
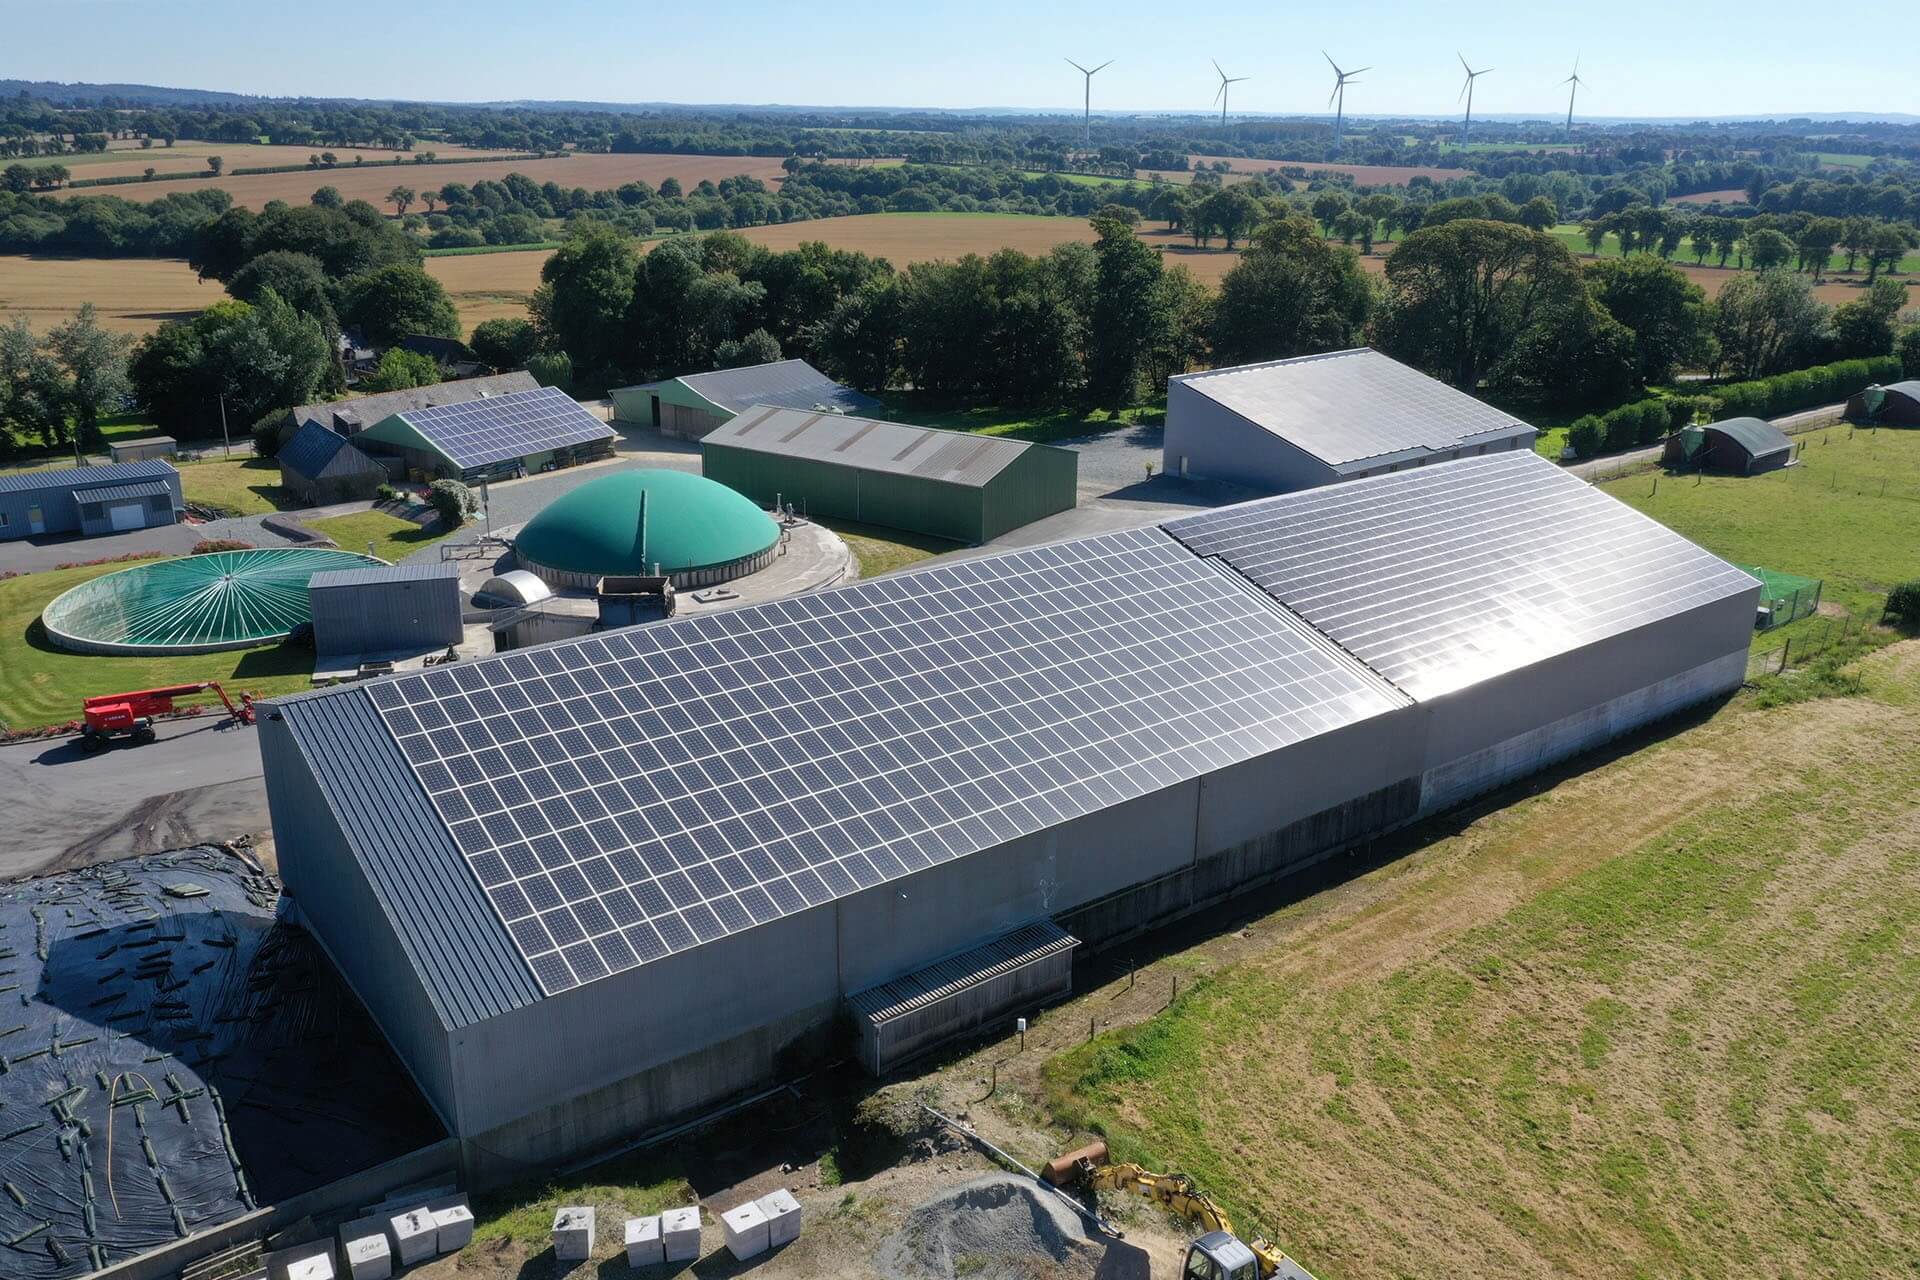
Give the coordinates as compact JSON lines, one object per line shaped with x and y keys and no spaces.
{"x":340,"y":907}
{"x":1216,"y":443}
{"x":53,"y":493}
{"x":452,"y":937}
{"x":386,"y":613}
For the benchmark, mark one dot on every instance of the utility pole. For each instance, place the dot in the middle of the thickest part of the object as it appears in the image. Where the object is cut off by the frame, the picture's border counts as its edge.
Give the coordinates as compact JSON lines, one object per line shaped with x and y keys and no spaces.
{"x":227,"y":440}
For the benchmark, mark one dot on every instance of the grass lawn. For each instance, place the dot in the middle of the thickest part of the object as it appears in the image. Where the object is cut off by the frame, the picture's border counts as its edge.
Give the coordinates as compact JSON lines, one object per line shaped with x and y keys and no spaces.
{"x":883,"y":550}
{"x":1041,"y":426}
{"x":40,"y":684}
{"x":1846,"y":513}
{"x":248,"y":486}
{"x":377,"y":533}
{"x":1655,"y":1022}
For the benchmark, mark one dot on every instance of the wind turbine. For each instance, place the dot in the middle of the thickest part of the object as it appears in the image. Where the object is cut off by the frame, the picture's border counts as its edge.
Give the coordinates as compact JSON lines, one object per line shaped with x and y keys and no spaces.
{"x":1466,"y":91}
{"x":1575,"y":82}
{"x":1339,"y":93}
{"x":1088,"y":140}
{"x":1221,"y":97}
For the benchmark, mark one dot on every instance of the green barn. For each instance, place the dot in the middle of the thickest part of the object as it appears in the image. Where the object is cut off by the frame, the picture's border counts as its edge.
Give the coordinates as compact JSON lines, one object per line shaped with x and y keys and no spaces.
{"x":947,"y":484}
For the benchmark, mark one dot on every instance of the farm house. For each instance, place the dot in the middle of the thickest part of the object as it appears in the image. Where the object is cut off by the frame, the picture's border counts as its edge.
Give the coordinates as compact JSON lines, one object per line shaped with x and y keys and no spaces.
{"x":692,"y":405}
{"x":90,"y":500}
{"x":1313,"y":420}
{"x":588,"y":888}
{"x":1896,"y":405}
{"x":519,"y":433}
{"x":1738,"y":446}
{"x":967,"y":488}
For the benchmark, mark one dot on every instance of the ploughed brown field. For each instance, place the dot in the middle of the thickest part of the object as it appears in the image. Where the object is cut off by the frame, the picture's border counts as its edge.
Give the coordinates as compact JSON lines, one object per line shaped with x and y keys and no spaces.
{"x":124,"y":158}
{"x":371,"y":181}
{"x":1736,"y":195}
{"x":137,"y":295}
{"x":1367,"y":175}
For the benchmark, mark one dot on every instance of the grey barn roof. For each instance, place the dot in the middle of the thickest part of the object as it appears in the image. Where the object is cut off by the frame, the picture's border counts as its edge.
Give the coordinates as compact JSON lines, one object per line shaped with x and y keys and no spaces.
{"x":308,"y":451}
{"x":1348,"y":408}
{"x":952,"y":456}
{"x":426,"y":571}
{"x":86,"y":477}
{"x":1444,"y":576}
{"x":368,"y":410}
{"x":115,"y":492}
{"x":791,"y":384}
{"x":1757,"y":436}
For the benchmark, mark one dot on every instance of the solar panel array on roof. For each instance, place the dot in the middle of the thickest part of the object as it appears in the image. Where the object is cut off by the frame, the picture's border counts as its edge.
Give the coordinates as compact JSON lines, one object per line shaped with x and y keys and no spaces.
{"x":1348,"y":407}
{"x":1451,"y":574}
{"x":637,"y":793}
{"x":956,"y":457}
{"x":475,"y":433}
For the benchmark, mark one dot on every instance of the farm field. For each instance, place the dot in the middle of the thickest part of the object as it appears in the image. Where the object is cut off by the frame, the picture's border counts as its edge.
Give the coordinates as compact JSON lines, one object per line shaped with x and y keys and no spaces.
{"x":1367,"y":175}
{"x":371,"y":182}
{"x":1620,"y":1028}
{"x":40,"y":684}
{"x":1734,"y":195}
{"x":133,"y":295}
{"x":128,"y":160}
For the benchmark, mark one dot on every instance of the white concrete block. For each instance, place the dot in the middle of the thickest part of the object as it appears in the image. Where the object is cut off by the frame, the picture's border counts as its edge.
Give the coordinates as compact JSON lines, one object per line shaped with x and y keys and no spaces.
{"x":783,"y":1217}
{"x":645,"y":1248}
{"x":746,"y":1229}
{"x":573,"y":1233}
{"x":680,"y":1234}
{"x":364,"y":1251}
{"x":302,"y":1262}
{"x":453,"y":1223}
{"x":414,"y":1235}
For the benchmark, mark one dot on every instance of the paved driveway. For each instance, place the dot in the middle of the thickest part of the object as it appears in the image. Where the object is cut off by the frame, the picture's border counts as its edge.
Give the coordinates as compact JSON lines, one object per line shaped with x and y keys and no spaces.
{"x":36,"y":555}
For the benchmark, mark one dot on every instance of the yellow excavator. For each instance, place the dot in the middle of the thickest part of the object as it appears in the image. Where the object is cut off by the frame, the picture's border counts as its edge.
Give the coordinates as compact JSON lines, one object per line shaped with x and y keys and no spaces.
{"x":1217,"y":1253}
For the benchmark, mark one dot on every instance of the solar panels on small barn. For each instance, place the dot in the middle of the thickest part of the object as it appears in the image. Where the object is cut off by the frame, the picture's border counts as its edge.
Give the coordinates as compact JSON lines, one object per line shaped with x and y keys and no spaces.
{"x":476,"y":433}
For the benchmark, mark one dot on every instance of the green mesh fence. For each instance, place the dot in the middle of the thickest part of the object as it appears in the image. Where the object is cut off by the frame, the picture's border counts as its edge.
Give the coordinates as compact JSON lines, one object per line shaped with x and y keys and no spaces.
{"x":196,"y":604}
{"x":1784,"y":597}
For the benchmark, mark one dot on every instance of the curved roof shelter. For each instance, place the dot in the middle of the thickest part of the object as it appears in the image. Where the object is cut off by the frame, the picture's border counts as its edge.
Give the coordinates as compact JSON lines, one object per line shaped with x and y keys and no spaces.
{"x":1743,"y":446}
{"x":695,"y":530}
{"x":1895,"y":404}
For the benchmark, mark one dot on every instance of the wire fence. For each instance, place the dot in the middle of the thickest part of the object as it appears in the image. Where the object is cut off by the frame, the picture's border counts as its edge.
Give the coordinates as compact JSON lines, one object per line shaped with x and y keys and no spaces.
{"x":1825,"y":633}
{"x":1784,"y":597}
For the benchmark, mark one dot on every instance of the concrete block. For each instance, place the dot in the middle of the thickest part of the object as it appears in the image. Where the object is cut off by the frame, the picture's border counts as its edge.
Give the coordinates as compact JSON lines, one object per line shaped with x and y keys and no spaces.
{"x":364,"y":1251}
{"x":783,"y":1217}
{"x":746,"y":1229}
{"x":453,"y":1223}
{"x":312,"y":1261}
{"x":573,"y":1233}
{"x":414,"y":1235}
{"x":680,"y":1234}
{"x":644,"y":1245}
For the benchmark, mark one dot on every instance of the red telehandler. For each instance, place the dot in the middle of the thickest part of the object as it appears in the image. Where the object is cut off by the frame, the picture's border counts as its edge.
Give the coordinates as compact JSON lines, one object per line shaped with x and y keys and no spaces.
{"x":110,"y":715}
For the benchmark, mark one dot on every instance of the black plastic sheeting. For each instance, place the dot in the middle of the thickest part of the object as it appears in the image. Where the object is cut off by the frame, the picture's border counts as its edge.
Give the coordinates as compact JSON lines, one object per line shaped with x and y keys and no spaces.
{"x":171,"y":1056}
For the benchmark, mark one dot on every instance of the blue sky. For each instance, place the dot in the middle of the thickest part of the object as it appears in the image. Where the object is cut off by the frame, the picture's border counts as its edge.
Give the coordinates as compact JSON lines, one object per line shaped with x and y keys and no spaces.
{"x":1640,"y":58}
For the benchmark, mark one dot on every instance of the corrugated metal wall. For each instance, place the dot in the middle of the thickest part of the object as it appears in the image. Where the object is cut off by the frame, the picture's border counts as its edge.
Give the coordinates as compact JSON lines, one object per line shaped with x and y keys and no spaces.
{"x":831,"y":491}
{"x":373,"y":617}
{"x":1041,"y":482}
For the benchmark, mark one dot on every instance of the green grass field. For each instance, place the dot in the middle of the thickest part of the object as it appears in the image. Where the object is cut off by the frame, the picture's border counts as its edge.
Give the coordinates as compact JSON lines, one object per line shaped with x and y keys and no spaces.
{"x":40,"y":684}
{"x":1845,"y":513}
{"x":377,"y":533}
{"x":1843,"y":159}
{"x":881,"y":550}
{"x":1040,"y":426}
{"x":249,"y":486}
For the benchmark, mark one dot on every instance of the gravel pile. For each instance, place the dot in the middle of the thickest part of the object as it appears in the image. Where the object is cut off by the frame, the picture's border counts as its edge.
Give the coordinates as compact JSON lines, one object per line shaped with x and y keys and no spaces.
{"x":1002,"y":1228}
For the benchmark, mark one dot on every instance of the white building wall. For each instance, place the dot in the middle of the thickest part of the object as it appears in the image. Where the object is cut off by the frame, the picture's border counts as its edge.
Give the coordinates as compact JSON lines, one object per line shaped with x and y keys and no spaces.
{"x":1205,"y":439}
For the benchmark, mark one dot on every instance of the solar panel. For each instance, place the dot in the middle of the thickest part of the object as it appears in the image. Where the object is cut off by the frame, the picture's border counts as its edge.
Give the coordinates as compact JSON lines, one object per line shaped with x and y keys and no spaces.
{"x":475,"y":433}
{"x":637,"y":793}
{"x":1450,"y":574}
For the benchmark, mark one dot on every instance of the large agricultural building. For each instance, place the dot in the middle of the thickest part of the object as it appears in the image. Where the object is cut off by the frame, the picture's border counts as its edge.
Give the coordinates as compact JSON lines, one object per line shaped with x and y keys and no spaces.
{"x":1312,"y":420}
{"x":694,"y":404}
{"x":590,"y":887}
{"x":949,"y":484}
{"x":90,"y":500}
{"x":355,"y":414}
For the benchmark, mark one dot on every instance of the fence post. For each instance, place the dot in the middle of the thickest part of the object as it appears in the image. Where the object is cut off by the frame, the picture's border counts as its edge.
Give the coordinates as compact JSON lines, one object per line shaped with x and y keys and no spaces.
{"x":1784,"y":650}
